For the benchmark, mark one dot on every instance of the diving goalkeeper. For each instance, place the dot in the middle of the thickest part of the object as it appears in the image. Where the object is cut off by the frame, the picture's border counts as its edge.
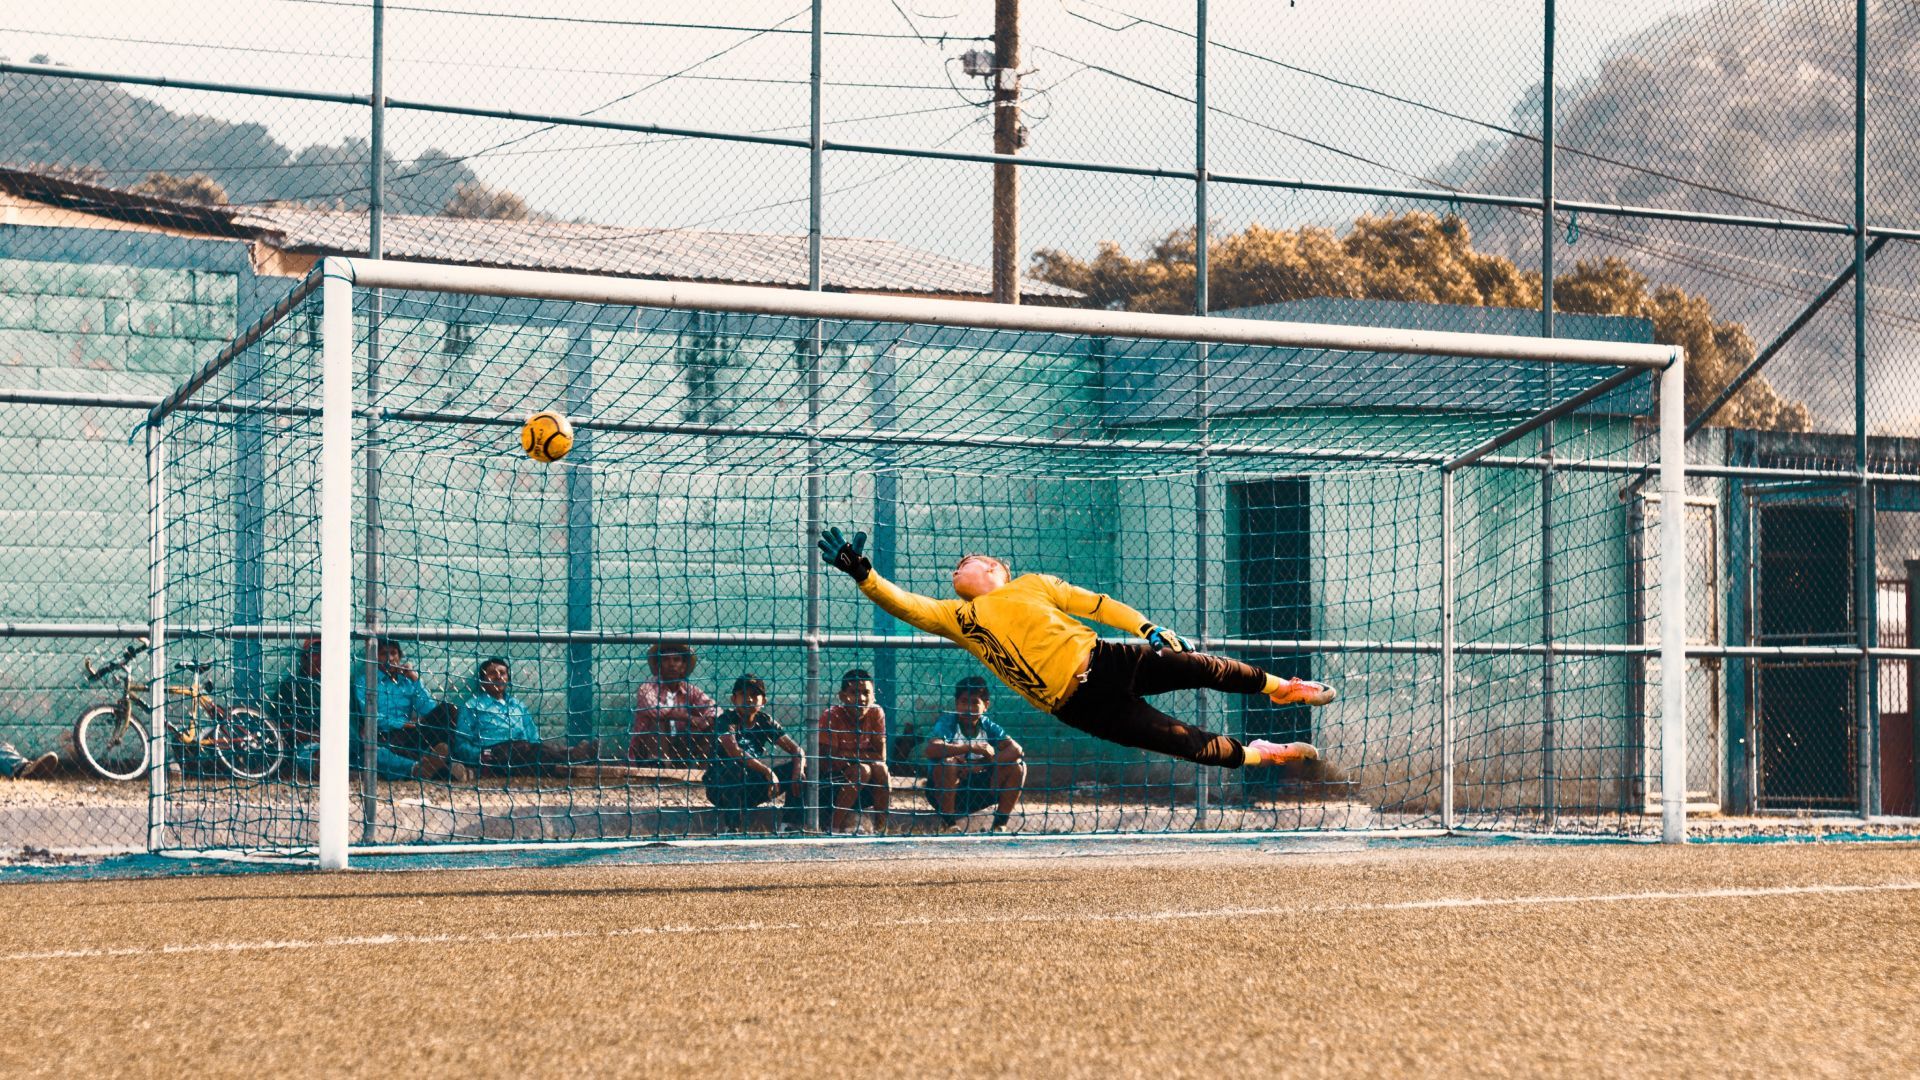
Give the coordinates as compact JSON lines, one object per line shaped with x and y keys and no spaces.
{"x":1024,"y":631}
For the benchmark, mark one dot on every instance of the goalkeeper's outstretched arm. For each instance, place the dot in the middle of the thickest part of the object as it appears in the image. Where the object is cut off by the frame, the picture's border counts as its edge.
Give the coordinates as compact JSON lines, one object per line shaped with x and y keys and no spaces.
{"x":920,"y":612}
{"x":1102,"y":608}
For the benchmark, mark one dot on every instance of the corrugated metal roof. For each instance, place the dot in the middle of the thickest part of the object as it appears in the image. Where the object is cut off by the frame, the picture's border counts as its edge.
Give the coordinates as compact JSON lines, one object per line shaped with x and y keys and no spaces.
{"x":854,"y":264}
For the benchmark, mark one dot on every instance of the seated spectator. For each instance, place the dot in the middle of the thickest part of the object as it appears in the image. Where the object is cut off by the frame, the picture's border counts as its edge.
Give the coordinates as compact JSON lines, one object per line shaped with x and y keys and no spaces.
{"x":18,"y":766}
{"x":853,"y":749}
{"x":410,"y":722}
{"x":743,"y":738}
{"x":497,"y":734}
{"x":672,"y":718}
{"x":903,"y":751}
{"x":975,"y":763}
{"x":295,"y":707}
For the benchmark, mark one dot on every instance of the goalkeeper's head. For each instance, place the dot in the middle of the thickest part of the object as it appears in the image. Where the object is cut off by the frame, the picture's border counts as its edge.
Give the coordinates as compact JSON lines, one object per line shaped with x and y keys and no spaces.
{"x":976,"y":575}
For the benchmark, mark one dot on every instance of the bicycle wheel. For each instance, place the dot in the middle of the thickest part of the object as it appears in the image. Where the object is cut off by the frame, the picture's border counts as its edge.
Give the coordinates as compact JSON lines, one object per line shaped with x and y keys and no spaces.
{"x":113,"y":745}
{"x":247,"y":743}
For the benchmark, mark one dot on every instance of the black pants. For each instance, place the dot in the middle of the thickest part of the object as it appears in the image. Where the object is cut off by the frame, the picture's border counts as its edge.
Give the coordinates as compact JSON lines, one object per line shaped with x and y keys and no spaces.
{"x":519,"y":755}
{"x":426,"y":732}
{"x":730,"y":786}
{"x":1112,"y":705}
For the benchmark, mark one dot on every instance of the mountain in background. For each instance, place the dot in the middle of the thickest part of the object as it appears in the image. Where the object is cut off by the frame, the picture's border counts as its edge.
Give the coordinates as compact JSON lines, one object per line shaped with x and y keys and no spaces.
{"x":108,"y":133}
{"x":1745,"y":107}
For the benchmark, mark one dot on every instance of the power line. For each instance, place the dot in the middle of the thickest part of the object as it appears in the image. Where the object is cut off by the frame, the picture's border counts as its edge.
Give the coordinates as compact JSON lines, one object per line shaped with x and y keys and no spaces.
{"x":1439,"y":111}
{"x":438,"y":159}
{"x":710,"y":57}
{"x":1295,"y":136}
{"x":646,"y":23}
{"x":429,"y":61}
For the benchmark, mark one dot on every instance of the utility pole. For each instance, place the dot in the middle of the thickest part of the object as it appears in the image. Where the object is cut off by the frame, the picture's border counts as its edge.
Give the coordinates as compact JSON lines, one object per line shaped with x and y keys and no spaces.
{"x":1006,"y":140}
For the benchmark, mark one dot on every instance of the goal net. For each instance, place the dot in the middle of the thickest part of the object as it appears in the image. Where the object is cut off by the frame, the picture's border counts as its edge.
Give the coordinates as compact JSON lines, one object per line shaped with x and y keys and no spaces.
{"x":1457,"y":531}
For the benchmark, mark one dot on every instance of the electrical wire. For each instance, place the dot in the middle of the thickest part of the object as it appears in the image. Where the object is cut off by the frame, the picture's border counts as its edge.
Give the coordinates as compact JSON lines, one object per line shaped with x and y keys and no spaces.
{"x":584,"y":21}
{"x":544,"y":128}
{"x":393,"y":59}
{"x":1211,"y":110}
{"x":1559,"y":147}
{"x":617,"y":232}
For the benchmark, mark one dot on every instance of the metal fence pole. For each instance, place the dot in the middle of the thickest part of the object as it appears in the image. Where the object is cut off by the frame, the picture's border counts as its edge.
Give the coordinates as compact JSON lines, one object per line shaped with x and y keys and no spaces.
{"x":1549,"y":733}
{"x":1446,"y":649}
{"x":813,"y":349}
{"x":582,"y":700}
{"x":1865,"y":585}
{"x":370,"y":670}
{"x":1202,"y":375}
{"x":157,"y":635}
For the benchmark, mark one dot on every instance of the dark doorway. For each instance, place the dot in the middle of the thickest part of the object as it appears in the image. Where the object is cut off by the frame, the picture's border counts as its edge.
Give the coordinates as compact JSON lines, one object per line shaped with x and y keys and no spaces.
{"x":1273,"y":569}
{"x":1804,"y":560}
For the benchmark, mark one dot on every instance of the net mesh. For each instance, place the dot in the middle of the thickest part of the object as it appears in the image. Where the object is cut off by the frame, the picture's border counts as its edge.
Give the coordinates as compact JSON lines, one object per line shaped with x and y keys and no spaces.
{"x":1280,"y":506}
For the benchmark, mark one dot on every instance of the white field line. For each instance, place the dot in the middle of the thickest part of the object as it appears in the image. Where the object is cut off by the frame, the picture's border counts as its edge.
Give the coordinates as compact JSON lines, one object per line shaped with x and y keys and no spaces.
{"x":1171,"y":915}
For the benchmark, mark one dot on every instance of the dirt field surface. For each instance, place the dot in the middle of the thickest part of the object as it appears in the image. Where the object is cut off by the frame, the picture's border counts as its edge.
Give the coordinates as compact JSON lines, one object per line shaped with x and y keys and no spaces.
{"x":1338,"y":958}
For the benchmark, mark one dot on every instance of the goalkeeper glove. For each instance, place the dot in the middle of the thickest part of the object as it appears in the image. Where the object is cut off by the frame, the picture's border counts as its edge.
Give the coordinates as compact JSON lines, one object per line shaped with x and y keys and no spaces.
{"x":1162,"y":638}
{"x":846,"y":557}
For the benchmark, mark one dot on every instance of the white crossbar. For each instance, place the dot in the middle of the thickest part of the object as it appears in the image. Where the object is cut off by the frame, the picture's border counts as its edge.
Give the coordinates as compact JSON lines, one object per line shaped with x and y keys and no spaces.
{"x":546,"y":285}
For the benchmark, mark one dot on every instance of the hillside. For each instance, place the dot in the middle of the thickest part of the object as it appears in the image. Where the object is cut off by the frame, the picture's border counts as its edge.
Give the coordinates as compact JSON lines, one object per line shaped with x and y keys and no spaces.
{"x":99,"y":126}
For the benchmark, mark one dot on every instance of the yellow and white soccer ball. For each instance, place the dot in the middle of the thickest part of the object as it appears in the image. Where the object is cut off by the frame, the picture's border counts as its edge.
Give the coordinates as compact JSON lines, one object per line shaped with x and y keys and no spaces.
{"x":546,"y":436}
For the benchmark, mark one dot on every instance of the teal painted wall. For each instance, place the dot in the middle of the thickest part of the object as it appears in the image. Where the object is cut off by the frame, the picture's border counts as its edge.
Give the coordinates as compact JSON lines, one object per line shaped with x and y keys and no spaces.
{"x":73,"y":542}
{"x":691,"y":533}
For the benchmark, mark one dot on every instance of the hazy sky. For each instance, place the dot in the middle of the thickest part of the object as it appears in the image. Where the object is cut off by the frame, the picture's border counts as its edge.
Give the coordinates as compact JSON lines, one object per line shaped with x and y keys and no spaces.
{"x":1103,"y":84}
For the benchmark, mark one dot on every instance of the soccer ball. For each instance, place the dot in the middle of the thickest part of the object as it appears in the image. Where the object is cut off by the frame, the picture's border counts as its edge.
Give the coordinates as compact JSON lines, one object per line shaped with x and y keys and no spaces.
{"x":546,"y":436}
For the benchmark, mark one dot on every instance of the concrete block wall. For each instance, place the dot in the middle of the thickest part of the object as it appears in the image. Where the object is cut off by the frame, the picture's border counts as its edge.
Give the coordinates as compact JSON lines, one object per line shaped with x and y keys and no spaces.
{"x":112,"y":313}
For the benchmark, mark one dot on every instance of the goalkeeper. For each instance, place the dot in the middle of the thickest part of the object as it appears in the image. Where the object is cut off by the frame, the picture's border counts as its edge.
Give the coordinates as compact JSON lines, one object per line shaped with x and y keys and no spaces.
{"x":1022,"y":629}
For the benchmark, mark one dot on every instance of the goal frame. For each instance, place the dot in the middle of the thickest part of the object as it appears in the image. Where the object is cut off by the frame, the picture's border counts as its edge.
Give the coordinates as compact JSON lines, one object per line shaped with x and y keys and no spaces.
{"x":337,"y":278}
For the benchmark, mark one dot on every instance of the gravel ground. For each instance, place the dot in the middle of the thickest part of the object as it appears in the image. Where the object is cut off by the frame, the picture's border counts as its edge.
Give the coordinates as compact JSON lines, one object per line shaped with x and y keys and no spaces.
{"x":1339,"y":958}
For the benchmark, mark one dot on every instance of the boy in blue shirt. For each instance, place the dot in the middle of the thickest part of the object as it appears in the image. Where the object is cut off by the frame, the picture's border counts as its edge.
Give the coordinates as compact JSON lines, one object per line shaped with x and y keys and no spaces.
{"x":497,"y":734}
{"x":409,"y":720}
{"x":975,"y":763}
{"x":295,"y":706}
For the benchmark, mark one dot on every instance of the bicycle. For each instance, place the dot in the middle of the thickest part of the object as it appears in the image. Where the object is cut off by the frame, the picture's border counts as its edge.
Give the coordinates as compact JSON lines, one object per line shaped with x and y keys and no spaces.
{"x":112,"y":741}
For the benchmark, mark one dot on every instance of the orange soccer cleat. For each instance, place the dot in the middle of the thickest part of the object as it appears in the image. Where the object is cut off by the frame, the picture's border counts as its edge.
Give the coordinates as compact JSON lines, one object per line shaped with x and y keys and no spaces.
{"x":1301,"y":692}
{"x":1262,"y":752}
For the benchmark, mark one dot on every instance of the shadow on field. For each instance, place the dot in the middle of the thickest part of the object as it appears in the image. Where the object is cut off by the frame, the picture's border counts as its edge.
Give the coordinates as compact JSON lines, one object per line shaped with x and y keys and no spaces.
{"x":584,"y":893}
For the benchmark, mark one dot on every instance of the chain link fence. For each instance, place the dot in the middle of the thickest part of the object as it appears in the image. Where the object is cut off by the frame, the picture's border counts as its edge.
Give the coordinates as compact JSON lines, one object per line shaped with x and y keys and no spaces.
{"x":1737,"y":177}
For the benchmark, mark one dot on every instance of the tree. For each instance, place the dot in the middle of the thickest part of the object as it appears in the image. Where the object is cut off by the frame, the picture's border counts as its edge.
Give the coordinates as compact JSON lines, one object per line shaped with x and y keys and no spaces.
{"x":477,"y":200}
{"x":79,"y":174}
{"x":1419,"y":257}
{"x":198,"y":188}
{"x":1716,"y":350}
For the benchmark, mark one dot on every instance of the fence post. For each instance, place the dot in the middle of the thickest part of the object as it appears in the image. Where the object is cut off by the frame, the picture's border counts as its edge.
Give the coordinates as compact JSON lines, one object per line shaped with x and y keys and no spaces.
{"x":1865,"y":582}
{"x":1549,"y":733}
{"x":582,"y":700}
{"x":370,"y":670}
{"x":1446,"y":649}
{"x":157,"y":635}
{"x":813,"y":349}
{"x":1202,"y":388}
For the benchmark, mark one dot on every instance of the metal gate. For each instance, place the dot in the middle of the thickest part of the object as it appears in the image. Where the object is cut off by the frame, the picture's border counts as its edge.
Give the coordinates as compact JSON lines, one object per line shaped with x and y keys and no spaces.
{"x":1706,"y":720}
{"x":1800,"y":593}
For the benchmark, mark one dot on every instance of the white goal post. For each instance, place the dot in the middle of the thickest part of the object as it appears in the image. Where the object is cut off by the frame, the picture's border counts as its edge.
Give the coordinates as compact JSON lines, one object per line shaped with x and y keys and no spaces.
{"x":340,"y":278}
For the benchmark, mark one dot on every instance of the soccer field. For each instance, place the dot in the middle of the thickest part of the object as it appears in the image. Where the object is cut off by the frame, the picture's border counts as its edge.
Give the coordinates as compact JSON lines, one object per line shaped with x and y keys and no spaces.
{"x":1277,"y":957}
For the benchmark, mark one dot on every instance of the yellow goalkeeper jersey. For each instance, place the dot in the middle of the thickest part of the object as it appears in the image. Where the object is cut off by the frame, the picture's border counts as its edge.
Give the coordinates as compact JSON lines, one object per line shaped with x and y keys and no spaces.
{"x":1022,"y":631}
